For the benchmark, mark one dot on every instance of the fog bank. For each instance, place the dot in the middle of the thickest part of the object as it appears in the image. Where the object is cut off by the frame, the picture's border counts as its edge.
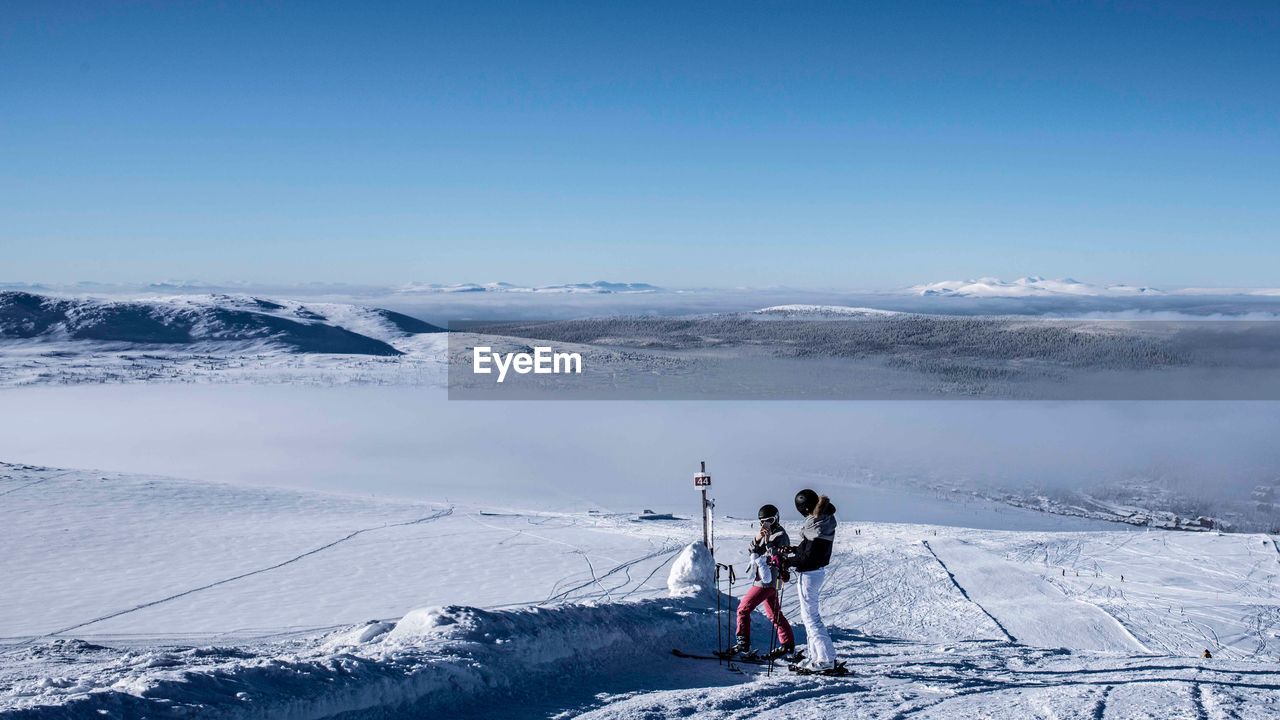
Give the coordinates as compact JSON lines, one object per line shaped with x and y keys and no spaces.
{"x":412,"y":442}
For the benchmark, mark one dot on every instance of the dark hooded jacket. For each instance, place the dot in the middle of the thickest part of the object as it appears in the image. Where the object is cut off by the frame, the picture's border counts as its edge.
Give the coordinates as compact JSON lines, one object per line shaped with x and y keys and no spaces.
{"x":774,"y":542}
{"x":816,"y":537}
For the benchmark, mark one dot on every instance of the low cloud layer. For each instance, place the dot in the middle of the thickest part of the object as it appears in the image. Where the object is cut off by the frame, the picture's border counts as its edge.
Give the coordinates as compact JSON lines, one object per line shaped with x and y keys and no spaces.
{"x":624,"y":456}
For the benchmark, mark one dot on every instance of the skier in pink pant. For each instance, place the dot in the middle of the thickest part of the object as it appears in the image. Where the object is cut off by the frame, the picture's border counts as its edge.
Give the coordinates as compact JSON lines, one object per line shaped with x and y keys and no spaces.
{"x":767,"y":570}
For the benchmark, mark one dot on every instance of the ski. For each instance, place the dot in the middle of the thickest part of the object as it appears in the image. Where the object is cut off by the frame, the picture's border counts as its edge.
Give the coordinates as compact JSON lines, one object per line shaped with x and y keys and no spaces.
{"x":838,"y":671}
{"x":721,"y":658}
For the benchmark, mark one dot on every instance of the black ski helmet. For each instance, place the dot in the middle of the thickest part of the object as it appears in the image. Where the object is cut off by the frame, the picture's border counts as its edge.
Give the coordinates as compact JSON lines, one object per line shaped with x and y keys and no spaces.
{"x":768,"y":512}
{"x":806,"y":501}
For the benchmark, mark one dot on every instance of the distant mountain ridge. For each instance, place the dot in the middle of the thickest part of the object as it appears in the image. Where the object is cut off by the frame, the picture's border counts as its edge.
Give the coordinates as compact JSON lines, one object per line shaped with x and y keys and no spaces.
{"x":215,"y":320}
{"x":599,"y":287}
{"x":1030,"y":286}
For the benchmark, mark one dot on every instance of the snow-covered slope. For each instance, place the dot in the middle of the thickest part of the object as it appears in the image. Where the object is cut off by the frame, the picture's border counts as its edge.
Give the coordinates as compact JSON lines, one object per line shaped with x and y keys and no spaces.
{"x":207,"y":321}
{"x":182,"y":558}
{"x":1029,"y":609}
{"x":56,"y":340}
{"x":1031,"y":286}
{"x":135,"y":596}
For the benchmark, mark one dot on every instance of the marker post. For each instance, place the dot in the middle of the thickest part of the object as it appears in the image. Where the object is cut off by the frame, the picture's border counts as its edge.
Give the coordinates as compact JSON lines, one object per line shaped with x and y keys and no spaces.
{"x":703,"y":481}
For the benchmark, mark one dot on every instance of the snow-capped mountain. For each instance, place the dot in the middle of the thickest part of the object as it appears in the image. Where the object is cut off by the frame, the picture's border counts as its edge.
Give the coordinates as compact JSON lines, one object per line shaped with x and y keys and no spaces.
{"x":1031,"y":286}
{"x":599,"y":287}
{"x":227,"y":322}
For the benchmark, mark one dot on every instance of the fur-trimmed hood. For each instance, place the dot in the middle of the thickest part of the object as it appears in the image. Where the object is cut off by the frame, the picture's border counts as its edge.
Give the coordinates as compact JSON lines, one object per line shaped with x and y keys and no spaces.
{"x":824,"y":507}
{"x":822,"y":523}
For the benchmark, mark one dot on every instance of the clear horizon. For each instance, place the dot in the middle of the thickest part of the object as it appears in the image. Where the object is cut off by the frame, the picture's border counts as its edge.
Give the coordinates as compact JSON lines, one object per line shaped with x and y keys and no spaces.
{"x":277,"y":285}
{"x":723,"y":145}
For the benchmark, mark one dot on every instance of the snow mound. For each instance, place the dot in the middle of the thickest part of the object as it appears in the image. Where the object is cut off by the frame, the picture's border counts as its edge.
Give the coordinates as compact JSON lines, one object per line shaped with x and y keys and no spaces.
{"x":692,"y":572}
{"x":1031,"y":286}
{"x":449,"y":660}
{"x":358,"y":635}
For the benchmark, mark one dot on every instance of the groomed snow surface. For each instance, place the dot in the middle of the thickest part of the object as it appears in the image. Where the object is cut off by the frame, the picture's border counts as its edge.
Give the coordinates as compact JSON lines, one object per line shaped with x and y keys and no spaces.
{"x":131,"y":596}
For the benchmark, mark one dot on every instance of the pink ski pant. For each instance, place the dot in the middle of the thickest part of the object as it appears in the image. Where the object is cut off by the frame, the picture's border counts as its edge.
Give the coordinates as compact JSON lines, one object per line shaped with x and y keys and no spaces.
{"x":769,"y":598}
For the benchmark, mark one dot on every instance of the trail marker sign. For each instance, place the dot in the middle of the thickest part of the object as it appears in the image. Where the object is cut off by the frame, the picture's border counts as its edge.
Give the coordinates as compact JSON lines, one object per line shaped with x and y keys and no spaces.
{"x":702,"y":481}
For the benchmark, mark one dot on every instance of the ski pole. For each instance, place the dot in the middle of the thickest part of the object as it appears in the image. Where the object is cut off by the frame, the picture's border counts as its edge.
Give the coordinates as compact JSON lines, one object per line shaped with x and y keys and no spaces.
{"x":719,"y":642}
{"x":731,"y":609}
{"x":773,"y":637}
{"x":781,"y":586}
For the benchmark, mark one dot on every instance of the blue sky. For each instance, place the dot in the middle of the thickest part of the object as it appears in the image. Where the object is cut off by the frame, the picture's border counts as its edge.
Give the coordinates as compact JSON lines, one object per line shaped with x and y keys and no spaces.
{"x":808,"y":144}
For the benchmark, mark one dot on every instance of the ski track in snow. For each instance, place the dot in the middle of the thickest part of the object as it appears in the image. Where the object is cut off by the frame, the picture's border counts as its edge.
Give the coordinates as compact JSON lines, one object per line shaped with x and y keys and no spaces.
{"x":990,"y":681}
{"x":1172,"y":617}
{"x":1008,"y":636}
{"x":669,"y":547}
{"x":621,"y":567}
{"x":224,"y":581}
{"x":37,"y":481}
{"x":1030,"y":609}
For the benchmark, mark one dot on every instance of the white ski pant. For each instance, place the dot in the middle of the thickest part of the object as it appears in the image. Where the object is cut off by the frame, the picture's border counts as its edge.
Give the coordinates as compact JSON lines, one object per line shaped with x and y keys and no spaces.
{"x":820,"y":649}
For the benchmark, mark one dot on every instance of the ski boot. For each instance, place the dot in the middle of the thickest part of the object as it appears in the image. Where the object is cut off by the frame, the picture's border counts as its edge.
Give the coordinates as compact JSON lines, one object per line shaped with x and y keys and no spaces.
{"x":740,"y":650}
{"x":837,"y":669}
{"x":786,"y":652}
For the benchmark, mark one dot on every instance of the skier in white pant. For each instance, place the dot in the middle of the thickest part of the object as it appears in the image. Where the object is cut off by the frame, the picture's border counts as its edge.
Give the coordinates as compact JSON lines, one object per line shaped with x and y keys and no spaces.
{"x":810,"y":559}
